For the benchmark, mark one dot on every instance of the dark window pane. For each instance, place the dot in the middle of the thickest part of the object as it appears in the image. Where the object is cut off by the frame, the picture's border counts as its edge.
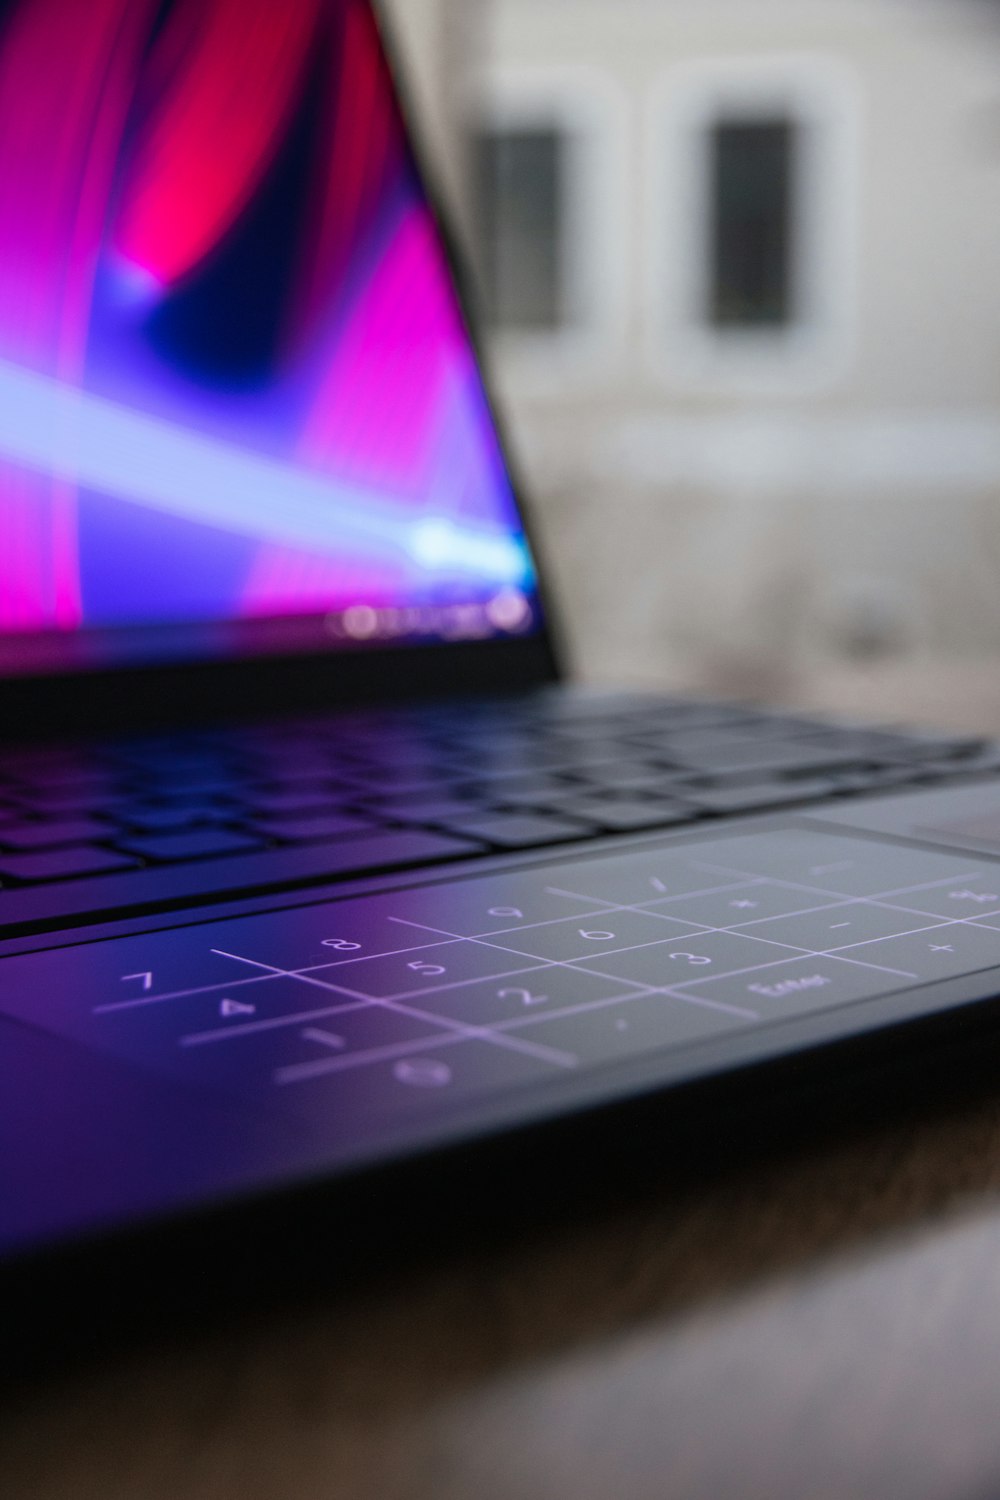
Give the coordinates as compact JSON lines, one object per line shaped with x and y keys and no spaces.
{"x":751,"y":223}
{"x":519,"y":176}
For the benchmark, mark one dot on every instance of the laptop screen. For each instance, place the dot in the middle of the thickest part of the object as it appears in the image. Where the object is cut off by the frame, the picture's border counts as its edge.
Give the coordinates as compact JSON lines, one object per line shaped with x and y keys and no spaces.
{"x":239,"y":407}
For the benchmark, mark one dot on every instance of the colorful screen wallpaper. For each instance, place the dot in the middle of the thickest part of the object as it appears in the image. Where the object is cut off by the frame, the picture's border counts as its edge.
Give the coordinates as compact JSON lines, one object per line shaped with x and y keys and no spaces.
{"x":235,"y":383}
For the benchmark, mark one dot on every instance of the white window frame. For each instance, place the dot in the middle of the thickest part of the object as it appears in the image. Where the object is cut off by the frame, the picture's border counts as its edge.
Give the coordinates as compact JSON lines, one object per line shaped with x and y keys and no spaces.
{"x":687,"y":351}
{"x":590,"y":114}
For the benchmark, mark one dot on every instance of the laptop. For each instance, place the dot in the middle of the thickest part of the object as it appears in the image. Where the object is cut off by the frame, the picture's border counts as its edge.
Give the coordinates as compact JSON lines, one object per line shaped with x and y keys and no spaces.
{"x":312,"y":864}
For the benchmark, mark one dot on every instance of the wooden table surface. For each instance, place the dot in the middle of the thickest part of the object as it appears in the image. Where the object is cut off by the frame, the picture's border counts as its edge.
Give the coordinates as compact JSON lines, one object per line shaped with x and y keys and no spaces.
{"x":819,"y":1322}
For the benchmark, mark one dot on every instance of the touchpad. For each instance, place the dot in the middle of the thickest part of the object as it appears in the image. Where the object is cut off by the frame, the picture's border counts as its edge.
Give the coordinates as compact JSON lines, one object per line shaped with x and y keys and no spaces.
{"x":368,"y":1011}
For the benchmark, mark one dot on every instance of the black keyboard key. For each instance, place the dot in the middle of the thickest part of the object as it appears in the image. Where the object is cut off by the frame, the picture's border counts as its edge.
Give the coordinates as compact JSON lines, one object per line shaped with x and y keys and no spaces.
{"x":884,"y":778}
{"x":628,"y":815}
{"x":308,"y":830}
{"x":631,"y":776}
{"x":180,"y":762}
{"x":179,"y":798}
{"x":68,"y":778}
{"x":61,"y":864}
{"x":38,"y":762}
{"x":759,"y":797}
{"x":915,"y":746}
{"x":521,"y":830}
{"x":193,"y":843}
{"x":202,"y":787}
{"x":301,"y":800}
{"x":413,"y":756}
{"x":535,"y":760}
{"x":157,"y":817}
{"x":787,"y":759}
{"x":49,"y":835}
{"x":685,"y":719}
{"x":69,"y":802}
{"x":551,"y":801}
{"x":982,"y":762}
{"x":427,"y":809}
{"x":390,"y":779}
{"x":535,"y":787}
{"x":289,"y":773}
{"x":592,"y":758}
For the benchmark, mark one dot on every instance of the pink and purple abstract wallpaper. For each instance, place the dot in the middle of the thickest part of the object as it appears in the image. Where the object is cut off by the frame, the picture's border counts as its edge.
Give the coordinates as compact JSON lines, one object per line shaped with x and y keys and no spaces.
{"x":235,"y":383}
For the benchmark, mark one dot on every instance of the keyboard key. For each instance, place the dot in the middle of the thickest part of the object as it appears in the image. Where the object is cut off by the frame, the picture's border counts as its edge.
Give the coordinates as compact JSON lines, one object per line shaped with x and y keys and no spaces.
{"x":391,"y":778}
{"x":285,"y":768}
{"x":49,"y":835}
{"x":70,"y":778}
{"x":630,"y":776}
{"x":60,"y":864}
{"x":184,"y":788}
{"x":176,"y":801}
{"x":196,"y":843}
{"x":41,"y":763}
{"x":883,"y":778}
{"x":520,"y":830}
{"x":985,"y":759}
{"x":68,"y":801}
{"x":533,"y":760}
{"x":786,"y":758}
{"x":414,"y":756}
{"x":599,"y":758}
{"x":692,"y":719}
{"x":756,"y":798}
{"x":627,"y":815}
{"x":542,"y":789}
{"x":308,"y":830}
{"x":916,"y":745}
{"x":298,"y":799}
{"x":155,"y":819}
{"x":185,"y":754}
{"x":421,"y":809}
{"x":270,"y":869}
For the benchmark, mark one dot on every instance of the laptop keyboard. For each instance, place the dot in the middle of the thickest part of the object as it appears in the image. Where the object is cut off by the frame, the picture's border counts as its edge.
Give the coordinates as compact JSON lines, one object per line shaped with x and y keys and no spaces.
{"x":161,"y":819}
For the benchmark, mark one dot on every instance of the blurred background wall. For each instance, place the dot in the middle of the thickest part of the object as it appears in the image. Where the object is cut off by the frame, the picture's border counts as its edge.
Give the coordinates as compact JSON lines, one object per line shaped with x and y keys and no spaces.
{"x":739,"y":262}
